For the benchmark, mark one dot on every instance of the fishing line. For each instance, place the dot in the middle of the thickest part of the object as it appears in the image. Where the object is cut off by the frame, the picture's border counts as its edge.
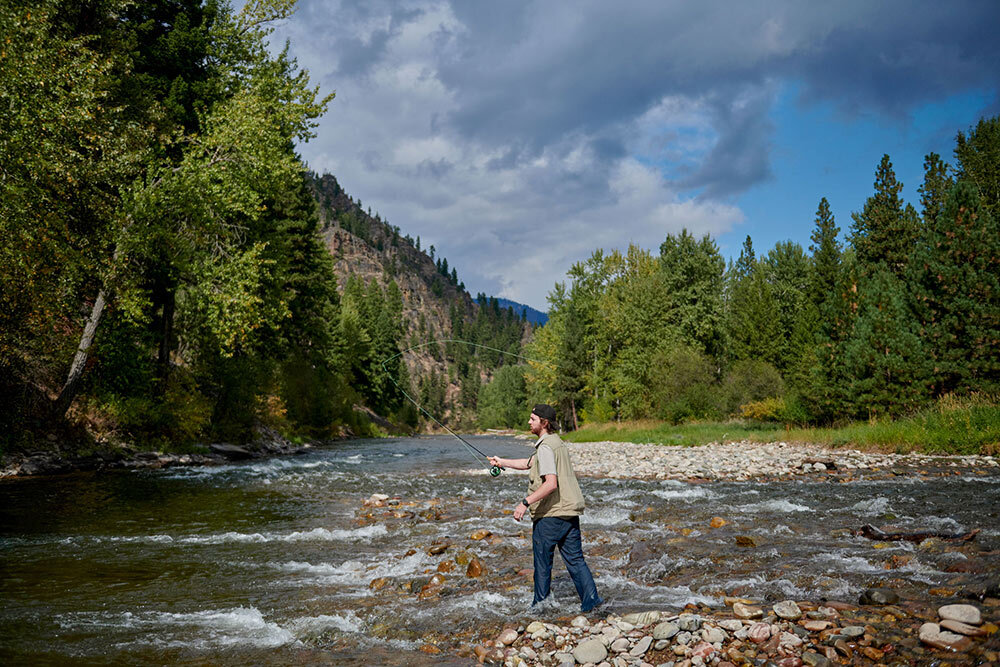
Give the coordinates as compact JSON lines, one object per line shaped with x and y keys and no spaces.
{"x":494,"y":470}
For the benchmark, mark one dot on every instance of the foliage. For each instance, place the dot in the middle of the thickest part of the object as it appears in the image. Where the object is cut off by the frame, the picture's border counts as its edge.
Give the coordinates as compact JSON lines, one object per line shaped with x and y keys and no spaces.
{"x":503,"y":402}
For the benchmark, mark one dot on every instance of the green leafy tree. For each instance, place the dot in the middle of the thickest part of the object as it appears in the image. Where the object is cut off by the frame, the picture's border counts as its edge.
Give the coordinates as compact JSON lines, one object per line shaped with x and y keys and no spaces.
{"x":934,"y":190}
{"x":503,"y":402}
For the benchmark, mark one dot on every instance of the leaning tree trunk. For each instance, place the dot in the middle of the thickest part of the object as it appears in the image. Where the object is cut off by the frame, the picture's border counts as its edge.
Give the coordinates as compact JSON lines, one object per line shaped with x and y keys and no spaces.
{"x":72,"y":385}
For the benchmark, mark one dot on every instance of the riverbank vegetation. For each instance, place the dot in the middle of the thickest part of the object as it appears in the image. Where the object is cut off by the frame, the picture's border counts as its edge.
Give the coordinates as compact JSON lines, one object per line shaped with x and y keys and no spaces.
{"x":862,"y":342}
{"x":969,"y":425}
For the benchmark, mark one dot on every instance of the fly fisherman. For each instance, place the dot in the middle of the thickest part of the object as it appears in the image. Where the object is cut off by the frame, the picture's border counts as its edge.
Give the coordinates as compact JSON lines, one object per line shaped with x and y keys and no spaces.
{"x":556,"y":504}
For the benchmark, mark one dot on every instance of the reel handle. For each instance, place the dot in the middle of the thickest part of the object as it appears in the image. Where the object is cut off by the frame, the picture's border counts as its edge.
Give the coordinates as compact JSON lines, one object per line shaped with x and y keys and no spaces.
{"x":495,"y":471}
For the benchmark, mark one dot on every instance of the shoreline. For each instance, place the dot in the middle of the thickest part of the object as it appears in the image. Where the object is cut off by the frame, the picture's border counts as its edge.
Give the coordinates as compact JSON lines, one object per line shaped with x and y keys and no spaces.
{"x":746,"y":460}
{"x":730,"y":461}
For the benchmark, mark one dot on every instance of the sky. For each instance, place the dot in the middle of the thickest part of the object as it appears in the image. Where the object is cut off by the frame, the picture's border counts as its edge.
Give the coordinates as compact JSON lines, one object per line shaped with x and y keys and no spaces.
{"x":518,"y":137}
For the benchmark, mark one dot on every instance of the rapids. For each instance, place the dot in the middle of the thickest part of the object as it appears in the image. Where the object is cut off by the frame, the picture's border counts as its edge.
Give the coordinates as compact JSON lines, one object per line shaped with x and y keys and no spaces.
{"x":274,"y":561}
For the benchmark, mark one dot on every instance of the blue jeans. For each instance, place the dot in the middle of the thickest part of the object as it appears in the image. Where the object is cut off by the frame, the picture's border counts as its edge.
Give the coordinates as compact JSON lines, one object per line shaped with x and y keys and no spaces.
{"x":564,"y":532}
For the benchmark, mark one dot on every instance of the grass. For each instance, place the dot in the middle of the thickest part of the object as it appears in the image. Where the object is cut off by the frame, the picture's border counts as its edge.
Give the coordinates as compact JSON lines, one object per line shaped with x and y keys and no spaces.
{"x":967,"y":425}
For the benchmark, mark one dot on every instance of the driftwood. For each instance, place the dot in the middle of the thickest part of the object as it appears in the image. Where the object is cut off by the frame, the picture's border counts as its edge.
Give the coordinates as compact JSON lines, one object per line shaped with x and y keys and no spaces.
{"x":873,"y":533}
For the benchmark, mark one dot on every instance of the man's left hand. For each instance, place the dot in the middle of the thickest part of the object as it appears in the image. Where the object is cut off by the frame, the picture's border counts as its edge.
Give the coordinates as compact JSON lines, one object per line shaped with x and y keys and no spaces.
{"x":519,"y":511}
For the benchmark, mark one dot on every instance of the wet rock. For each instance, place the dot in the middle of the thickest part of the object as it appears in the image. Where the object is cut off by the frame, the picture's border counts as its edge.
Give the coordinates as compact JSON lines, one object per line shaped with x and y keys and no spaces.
{"x":590,"y":650}
{"x":446,"y":566}
{"x":815,"y":660}
{"x":874,"y":596}
{"x":640,"y":554}
{"x":231,"y":452}
{"x":480,"y":534}
{"x":815,"y":626}
{"x":788,"y":610}
{"x":475,"y":568}
{"x":932,"y":635}
{"x":789,"y":641}
{"x":852,"y":631}
{"x":437,"y":549}
{"x":642,"y":618}
{"x":718,"y":522}
{"x":665,"y":630}
{"x":481,"y":652}
{"x":641,"y":647}
{"x":963,"y":628}
{"x":747,"y":611}
{"x":379,"y":583}
{"x":745,"y":541}
{"x":872,"y":653}
{"x":964,"y":613}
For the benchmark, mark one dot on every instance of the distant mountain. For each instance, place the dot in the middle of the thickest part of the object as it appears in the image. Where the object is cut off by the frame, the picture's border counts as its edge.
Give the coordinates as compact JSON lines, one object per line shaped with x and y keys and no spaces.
{"x":532,"y":315}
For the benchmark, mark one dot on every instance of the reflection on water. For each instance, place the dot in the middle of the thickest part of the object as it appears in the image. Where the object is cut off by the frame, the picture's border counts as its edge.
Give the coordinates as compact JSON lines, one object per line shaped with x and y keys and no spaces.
{"x":279,"y":561}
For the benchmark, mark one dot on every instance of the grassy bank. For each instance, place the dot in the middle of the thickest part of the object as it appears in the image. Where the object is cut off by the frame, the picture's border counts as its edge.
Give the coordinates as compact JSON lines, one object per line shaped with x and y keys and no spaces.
{"x":968,"y":425}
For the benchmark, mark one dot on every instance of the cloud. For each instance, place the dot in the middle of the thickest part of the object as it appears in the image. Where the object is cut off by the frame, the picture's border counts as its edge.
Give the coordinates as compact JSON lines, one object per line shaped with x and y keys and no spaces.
{"x":518,"y":137}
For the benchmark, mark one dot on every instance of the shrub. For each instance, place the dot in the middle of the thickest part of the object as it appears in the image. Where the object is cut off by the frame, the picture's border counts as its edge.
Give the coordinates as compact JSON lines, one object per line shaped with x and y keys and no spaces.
{"x":749,"y":381}
{"x":766,"y":410}
{"x":597,"y":411}
{"x":683,"y":385}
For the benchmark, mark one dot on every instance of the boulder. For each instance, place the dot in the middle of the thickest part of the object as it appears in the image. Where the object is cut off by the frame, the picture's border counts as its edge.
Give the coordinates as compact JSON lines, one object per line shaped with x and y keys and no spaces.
{"x":590,"y":650}
{"x":231,"y":452}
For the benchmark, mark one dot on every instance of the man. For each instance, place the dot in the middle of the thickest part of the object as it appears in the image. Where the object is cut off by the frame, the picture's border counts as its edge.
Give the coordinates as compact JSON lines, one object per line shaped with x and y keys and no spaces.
{"x":556,"y":504}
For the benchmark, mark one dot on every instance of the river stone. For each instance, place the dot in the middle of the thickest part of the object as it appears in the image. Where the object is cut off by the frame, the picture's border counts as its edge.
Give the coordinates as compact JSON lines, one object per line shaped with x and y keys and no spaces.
{"x":789,"y":640}
{"x":747,"y":611}
{"x":534,"y":627}
{"x":641,"y":647}
{"x":665,"y":630}
{"x":564,"y":659}
{"x":704,"y":651}
{"x":815,"y":626}
{"x":580,"y":622}
{"x":475,"y":568}
{"x":878,"y":596}
{"x":713,"y":635}
{"x":759,"y":633}
{"x":932,"y":635}
{"x":963,"y":628}
{"x":590,"y":650}
{"x":730,"y":624}
{"x":964,"y":613}
{"x":852,"y":631}
{"x":507,"y":637}
{"x":689,"y":622}
{"x":788,"y":610}
{"x":642,"y":618}
{"x":661,"y":644}
{"x":815,"y":660}
{"x":619,"y":645}
{"x":529,"y":653}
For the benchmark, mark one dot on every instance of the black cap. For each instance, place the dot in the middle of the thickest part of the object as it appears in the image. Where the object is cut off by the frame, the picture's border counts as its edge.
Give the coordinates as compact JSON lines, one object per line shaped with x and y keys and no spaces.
{"x":545,"y":412}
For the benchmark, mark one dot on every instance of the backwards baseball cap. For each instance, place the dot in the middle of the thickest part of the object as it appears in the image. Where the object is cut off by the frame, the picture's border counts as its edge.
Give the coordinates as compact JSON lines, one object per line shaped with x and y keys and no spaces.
{"x":544,"y":411}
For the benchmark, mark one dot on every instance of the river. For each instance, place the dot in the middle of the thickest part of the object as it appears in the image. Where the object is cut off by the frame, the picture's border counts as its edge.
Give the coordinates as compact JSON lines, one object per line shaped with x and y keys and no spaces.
{"x":273,"y":562}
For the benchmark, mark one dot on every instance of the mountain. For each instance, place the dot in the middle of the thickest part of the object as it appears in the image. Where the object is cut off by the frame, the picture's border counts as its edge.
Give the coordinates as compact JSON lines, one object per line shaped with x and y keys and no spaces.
{"x":443,"y":376}
{"x":530,"y":314}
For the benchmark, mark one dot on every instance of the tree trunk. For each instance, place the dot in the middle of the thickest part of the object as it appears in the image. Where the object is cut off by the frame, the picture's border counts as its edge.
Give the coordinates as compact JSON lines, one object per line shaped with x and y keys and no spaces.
{"x":572,"y":405}
{"x":166,"y":333}
{"x":71,"y":386}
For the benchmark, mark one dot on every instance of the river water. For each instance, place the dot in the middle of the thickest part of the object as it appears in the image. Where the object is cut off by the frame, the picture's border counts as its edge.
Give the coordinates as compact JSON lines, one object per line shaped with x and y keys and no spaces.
{"x":272,"y":562}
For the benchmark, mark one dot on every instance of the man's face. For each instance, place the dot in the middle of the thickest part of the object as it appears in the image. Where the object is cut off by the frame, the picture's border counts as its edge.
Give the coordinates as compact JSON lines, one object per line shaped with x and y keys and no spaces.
{"x":535,"y":424}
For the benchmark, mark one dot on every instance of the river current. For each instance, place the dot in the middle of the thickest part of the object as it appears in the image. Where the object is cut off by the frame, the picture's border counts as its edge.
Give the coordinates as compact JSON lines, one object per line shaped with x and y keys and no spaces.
{"x":280,"y":561}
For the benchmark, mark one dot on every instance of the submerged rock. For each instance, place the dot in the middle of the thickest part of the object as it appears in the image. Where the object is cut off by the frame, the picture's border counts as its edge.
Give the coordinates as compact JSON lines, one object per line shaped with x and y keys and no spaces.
{"x":874,"y":596}
{"x":932,"y":635}
{"x":964,"y":613}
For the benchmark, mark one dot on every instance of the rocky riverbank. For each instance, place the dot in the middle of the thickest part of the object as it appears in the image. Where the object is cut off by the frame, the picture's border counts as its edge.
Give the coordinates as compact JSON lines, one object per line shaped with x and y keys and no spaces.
{"x":54,"y":461}
{"x":878,"y":630}
{"x":747,"y":460}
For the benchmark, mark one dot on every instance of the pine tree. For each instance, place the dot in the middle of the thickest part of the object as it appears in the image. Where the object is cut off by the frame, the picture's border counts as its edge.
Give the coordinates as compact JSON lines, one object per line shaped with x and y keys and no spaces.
{"x":978,"y":156}
{"x":884,"y":355}
{"x":885,"y":231}
{"x":956,"y":278}
{"x":937,"y":183}
{"x":826,"y":257}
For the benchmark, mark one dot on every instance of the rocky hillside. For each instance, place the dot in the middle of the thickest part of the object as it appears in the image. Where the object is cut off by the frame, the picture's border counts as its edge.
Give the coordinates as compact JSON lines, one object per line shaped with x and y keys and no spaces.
{"x":435,"y":302}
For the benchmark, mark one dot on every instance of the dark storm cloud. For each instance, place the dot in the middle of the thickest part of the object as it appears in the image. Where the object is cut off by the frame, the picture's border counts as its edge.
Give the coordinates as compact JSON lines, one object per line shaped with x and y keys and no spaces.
{"x":607,"y":122}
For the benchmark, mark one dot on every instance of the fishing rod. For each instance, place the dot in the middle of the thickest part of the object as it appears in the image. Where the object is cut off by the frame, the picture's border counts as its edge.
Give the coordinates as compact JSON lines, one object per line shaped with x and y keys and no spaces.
{"x":495,"y":470}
